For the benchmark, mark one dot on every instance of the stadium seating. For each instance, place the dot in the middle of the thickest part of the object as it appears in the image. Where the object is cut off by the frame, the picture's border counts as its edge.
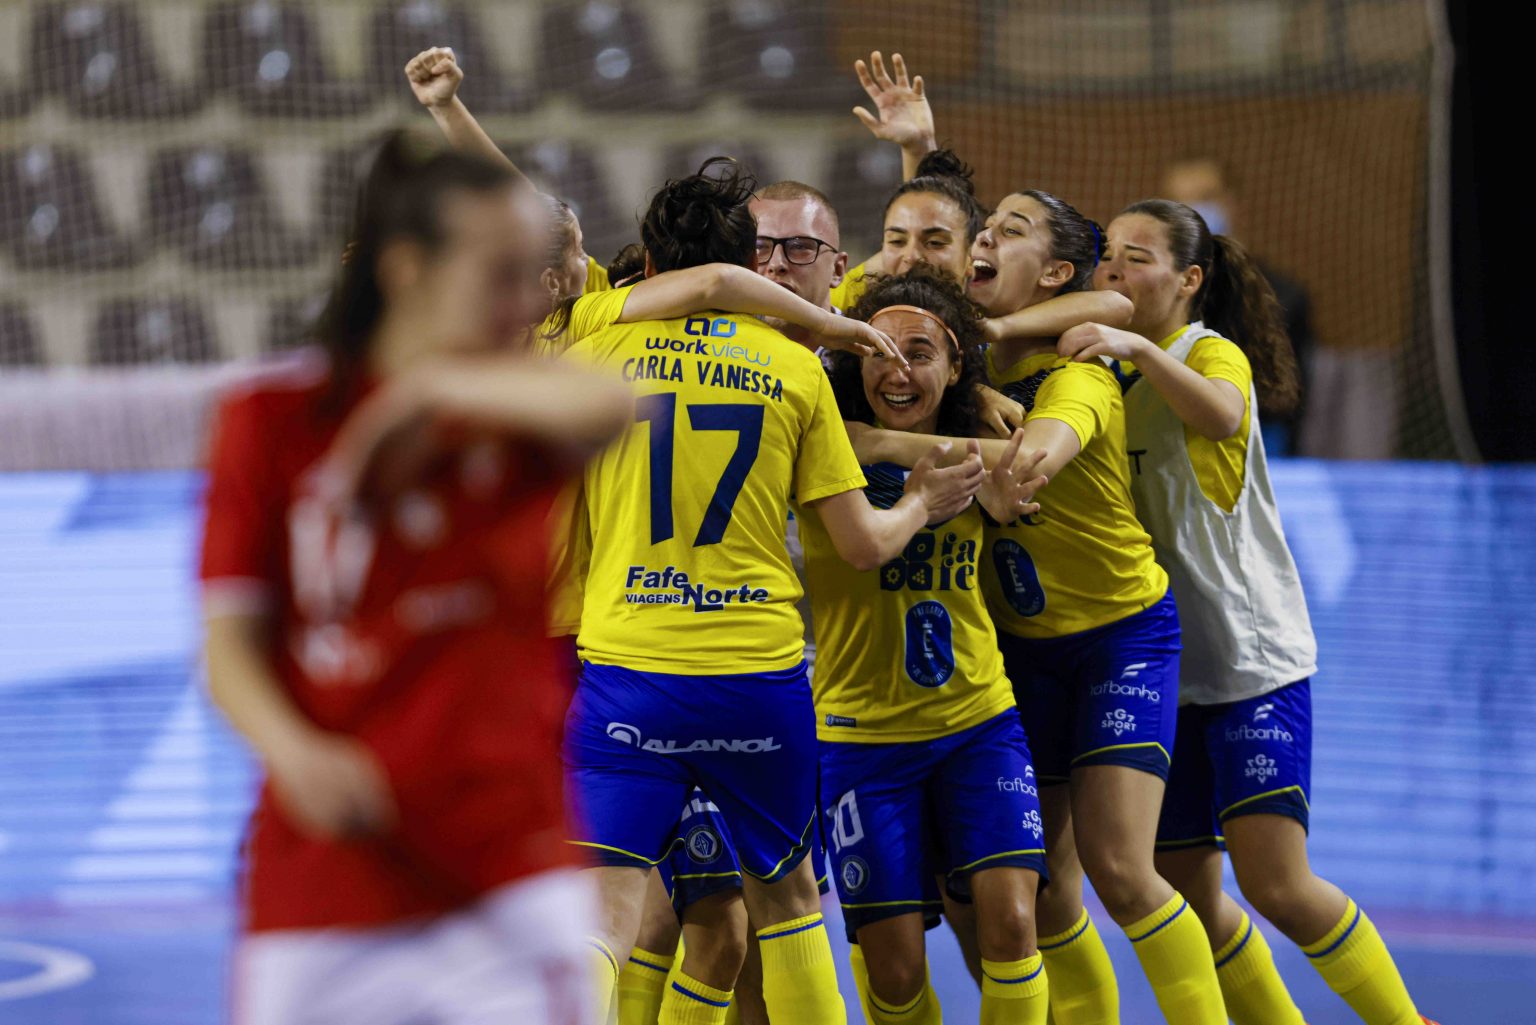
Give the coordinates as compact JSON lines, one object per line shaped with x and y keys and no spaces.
{"x":571,"y":172}
{"x":268,"y":55}
{"x":209,"y":203}
{"x":141,"y":331}
{"x":97,"y":57}
{"x":602,"y":52}
{"x":19,"y":345}
{"x":49,"y":215}
{"x":401,"y":30}
{"x":679,"y":161}
{"x":773,"y":54}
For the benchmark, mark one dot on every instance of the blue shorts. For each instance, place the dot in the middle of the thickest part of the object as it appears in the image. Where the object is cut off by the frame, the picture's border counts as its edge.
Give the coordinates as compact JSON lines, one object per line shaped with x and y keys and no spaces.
{"x":703,"y":859}
{"x":899,"y":814}
{"x":1249,"y":757}
{"x":637,"y":743}
{"x":1106,"y":696}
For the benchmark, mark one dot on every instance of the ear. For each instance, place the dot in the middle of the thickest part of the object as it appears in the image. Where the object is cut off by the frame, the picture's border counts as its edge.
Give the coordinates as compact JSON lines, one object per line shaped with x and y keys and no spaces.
{"x":549,"y":280}
{"x":1190,"y":281}
{"x":650,"y":265}
{"x":954,"y":371}
{"x":839,"y":268}
{"x":400,"y":267}
{"x":1056,"y":273}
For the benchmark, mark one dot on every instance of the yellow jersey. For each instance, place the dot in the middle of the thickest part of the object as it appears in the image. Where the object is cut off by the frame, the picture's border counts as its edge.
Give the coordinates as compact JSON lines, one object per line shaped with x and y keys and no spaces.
{"x":905,"y":652}
{"x":688,"y":571}
{"x":851,"y":289}
{"x":1083,"y":560}
{"x":597,"y":277}
{"x":1218,"y":464}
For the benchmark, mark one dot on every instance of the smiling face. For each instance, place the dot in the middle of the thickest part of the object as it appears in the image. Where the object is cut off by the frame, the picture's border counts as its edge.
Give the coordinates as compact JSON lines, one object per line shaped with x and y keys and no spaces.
{"x":1012,"y":266}
{"x":1139,"y":264}
{"x":909,"y":400}
{"x":926,"y":227}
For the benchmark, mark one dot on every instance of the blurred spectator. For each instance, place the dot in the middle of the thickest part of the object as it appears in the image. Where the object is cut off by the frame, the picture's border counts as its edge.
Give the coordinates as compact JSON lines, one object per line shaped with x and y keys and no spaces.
{"x":1202,"y":183}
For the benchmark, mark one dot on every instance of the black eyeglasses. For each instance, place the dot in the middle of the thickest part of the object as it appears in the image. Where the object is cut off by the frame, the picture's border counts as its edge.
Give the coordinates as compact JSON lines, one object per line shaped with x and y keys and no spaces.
{"x":800,"y":249}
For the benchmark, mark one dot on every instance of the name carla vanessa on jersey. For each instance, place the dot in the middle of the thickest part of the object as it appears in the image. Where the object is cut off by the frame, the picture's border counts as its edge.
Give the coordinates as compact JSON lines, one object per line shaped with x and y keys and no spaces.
{"x":709,"y":373}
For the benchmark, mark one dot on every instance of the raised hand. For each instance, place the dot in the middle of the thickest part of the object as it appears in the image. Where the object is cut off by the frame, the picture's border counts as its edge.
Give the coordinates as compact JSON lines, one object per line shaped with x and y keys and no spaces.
{"x":904,"y":115}
{"x":1009,"y":489}
{"x":947,"y":491}
{"x":434,"y":76}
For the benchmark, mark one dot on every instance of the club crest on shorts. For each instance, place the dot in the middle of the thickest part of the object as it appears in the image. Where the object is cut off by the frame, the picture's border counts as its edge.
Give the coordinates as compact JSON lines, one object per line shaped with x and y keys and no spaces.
{"x":702,"y":844}
{"x":855,"y":874}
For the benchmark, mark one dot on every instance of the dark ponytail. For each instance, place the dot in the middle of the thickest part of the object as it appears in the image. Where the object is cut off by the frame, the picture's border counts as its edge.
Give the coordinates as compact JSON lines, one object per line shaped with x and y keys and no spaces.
{"x":703,"y":218}
{"x":1235,"y":300}
{"x":943,"y":173}
{"x":1074,"y":238}
{"x":402,"y":197}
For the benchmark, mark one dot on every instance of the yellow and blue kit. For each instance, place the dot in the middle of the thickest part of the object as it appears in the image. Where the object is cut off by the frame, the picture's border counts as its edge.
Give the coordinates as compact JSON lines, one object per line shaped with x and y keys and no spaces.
{"x":1088,"y":629}
{"x":693,"y":668}
{"x":924,"y":764}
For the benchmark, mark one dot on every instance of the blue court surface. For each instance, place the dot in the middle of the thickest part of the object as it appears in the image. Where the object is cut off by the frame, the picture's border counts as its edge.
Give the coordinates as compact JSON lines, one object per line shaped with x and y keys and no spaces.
{"x":122,"y":795}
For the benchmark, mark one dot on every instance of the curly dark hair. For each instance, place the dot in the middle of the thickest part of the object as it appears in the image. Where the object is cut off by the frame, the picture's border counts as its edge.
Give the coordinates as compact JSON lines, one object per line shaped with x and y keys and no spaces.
{"x":931,"y":289}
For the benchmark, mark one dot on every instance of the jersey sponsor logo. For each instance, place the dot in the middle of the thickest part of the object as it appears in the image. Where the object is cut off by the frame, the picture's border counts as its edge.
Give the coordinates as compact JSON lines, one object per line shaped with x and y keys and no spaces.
{"x":1121,"y":721}
{"x":1261,"y":767}
{"x":1116,"y":689}
{"x":855,"y":874}
{"x":842,"y":720}
{"x":1246,"y":732}
{"x":671,"y":586}
{"x":703,"y":844}
{"x":1262,"y":712}
{"x":930,"y":644}
{"x":1033,"y":823}
{"x":631,"y":736}
{"x":931,"y":563}
{"x":1018,"y":577}
{"x":1017,"y":785}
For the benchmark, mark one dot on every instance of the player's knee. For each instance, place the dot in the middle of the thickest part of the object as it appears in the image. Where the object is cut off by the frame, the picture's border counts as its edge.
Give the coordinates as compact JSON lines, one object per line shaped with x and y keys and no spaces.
{"x":1007,"y":933}
{"x":897,"y":980}
{"x":1278,"y":896}
{"x":1120,"y":878}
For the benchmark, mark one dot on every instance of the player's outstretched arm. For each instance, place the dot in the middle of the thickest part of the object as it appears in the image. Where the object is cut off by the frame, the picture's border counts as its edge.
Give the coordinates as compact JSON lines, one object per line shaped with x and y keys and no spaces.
{"x":903,"y":115}
{"x":434,"y":76}
{"x":1213,"y":407}
{"x":731,"y":289}
{"x":330,"y":784}
{"x":1058,"y":315}
{"x":867,"y":538}
{"x":1046,"y":444}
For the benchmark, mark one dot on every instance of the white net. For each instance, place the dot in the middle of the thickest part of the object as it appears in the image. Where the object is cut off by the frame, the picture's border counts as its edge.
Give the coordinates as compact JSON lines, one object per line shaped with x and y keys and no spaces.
{"x":175,"y":175}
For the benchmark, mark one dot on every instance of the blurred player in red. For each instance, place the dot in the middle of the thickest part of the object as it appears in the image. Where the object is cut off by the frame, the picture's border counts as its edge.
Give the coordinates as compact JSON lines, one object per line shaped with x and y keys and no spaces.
{"x":374,"y":568}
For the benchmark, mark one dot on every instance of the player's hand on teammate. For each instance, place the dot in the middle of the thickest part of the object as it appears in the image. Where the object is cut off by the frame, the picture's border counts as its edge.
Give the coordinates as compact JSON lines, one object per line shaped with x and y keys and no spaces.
{"x":1009,"y":489}
{"x":904,"y":115}
{"x":434,"y":76}
{"x":1094,"y":341}
{"x":332,"y":786}
{"x":999,"y":414}
{"x":859,"y":338}
{"x":947,"y":491}
{"x":392,"y":423}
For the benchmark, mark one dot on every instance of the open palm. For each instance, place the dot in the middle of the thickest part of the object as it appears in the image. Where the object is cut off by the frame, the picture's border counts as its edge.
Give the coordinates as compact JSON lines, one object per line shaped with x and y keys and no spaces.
{"x":905,"y":117}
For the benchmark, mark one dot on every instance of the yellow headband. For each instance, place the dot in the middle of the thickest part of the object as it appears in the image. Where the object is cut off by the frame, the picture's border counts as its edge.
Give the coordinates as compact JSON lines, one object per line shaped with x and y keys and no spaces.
{"x":922,"y":313}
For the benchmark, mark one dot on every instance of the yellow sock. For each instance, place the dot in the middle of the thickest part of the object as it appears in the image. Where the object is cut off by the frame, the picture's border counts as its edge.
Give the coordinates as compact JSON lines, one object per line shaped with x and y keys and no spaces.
{"x":1014,"y":992}
{"x":604,"y":968}
{"x":1250,"y":985}
{"x":1354,"y":962}
{"x":1176,"y":957}
{"x":733,"y":1013}
{"x":641,"y":985}
{"x":689,"y":1002}
{"x":861,"y":979}
{"x":1083,"y":987}
{"x":799,"y":977}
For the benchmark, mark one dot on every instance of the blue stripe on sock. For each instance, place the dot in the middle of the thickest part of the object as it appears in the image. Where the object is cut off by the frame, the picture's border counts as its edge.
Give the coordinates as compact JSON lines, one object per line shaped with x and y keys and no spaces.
{"x":1082,"y":929}
{"x":703,"y":1000}
{"x":761,"y":938}
{"x":1014,"y":982}
{"x":652,"y":967}
{"x":1239,"y":948}
{"x":1335,"y":945}
{"x":1163,"y":924}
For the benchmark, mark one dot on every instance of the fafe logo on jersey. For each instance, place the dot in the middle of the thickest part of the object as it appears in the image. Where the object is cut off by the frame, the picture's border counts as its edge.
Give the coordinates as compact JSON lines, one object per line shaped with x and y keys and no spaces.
{"x":914,"y":569}
{"x":631,"y":736}
{"x":1018,"y":577}
{"x":671,"y":586}
{"x":930,"y":644}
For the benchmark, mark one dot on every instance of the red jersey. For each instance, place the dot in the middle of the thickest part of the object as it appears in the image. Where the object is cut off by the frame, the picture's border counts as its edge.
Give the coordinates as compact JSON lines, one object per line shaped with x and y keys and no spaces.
{"x":417,"y":626}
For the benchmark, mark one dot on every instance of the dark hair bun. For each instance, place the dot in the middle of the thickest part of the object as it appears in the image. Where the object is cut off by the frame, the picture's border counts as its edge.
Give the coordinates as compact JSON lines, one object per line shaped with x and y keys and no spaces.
{"x":946,"y":163}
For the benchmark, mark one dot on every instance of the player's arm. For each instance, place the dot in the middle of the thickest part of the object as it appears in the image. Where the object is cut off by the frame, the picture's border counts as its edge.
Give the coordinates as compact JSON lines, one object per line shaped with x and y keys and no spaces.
{"x":1214,"y":407}
{"x":723,"y":286}
{"x":867,"y":538}
{"x":435,"y":76}
{"x":1058,"y":315}
{"x":903,"y":115}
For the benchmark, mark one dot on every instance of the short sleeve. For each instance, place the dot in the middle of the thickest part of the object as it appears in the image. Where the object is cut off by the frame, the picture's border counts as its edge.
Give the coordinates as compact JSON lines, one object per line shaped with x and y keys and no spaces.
{"x":243,"y":515}
{"x":1221,"y":360}
{"x":825,"y":465}
{"x":597,"y":310}
{"x":597,"y":277}
{"x":850,"y":290}
{"x":1080,"y":395}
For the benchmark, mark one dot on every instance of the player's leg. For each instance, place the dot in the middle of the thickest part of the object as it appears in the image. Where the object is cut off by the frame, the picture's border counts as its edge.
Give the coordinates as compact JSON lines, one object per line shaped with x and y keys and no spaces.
{"x":1189,"y":856}
{"x":714,"y":946}
{"x":1264,"y":785}
{"x":895,"y":957}
{"x":1125,"y":723}
{"x":643,"y":980}
{"x":961,"y":916}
